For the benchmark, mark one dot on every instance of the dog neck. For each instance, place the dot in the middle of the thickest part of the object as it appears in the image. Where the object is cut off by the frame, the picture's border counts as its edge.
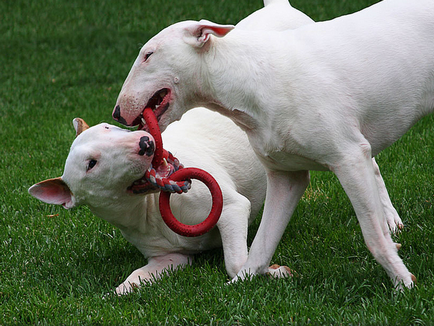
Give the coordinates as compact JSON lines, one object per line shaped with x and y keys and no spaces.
{"x":244,"y":98}
{"x":129,"y":214}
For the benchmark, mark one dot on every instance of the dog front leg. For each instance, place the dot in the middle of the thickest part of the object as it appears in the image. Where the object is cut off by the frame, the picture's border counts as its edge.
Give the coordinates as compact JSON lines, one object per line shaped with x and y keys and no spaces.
{"x":356,"y":173}
{"x":153,"y":270}
{"x":284,"y":190}
{"x":233,"y":225}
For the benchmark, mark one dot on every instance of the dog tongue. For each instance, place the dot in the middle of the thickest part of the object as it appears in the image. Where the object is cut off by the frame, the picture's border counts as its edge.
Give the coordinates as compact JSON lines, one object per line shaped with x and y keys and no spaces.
{"x":165,"y":169}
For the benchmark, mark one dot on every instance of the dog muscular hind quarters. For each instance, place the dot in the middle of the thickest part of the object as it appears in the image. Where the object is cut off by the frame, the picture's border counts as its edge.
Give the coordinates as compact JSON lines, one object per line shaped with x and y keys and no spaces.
{"x":326,"y":96}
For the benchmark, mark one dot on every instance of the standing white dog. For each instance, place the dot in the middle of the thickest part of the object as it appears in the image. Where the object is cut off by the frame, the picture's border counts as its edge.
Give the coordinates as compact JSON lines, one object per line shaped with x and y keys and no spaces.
{"x":326,"y":96}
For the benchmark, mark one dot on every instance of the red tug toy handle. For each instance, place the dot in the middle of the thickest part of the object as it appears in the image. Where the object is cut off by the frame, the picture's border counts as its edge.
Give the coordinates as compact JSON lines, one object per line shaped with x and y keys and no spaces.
{"x":216,"y":209}
{"x":180,"y":175}
{"x":154,"y":130}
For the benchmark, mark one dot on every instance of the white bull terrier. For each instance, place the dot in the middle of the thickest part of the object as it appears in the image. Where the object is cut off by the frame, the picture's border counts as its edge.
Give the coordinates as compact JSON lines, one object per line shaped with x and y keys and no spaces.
{"x":325,"y":96}
{"x":105,"y":162}
{"x":279,"y":15}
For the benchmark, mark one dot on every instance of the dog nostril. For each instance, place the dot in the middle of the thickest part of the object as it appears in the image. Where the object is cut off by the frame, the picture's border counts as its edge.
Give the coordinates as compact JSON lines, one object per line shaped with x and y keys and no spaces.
{"x":117,"y":115}
{"x":117,"y":112}
{"x":146,"y":146}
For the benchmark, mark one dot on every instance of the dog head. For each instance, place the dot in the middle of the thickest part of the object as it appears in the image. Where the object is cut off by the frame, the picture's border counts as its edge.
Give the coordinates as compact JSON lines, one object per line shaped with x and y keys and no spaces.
{"x":105,"y":167}
{"x":165,"y":75}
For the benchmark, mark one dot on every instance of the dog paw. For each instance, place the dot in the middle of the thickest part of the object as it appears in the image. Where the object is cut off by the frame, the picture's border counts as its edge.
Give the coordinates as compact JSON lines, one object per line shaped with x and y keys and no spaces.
{"x":408,"y":282}
{"x":126,"y":288}
{"x":277,"y":271}
{"x":396,"y":228}
{"x":394,"y":222}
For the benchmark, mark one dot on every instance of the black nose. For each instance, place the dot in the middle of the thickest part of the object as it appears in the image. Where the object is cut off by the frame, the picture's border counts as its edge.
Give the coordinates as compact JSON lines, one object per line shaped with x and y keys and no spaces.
{"x":117,"y":115}
{"x":146,"y":146}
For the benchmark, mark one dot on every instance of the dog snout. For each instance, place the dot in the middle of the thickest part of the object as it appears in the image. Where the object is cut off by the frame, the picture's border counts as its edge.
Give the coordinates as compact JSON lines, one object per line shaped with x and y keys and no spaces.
{"x":147,"y":146}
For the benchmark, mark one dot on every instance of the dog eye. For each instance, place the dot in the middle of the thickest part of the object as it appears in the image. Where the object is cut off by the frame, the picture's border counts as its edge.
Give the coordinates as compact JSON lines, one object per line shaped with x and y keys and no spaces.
{"x":91,"y":164}
{"x":147,"y":55}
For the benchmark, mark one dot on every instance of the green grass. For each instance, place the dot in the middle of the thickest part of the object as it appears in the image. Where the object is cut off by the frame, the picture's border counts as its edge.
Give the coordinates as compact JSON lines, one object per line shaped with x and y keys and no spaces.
{"x":62,"y":59}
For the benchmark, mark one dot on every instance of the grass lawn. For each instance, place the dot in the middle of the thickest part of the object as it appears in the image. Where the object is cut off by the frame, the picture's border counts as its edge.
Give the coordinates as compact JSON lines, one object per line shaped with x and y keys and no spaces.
{"x":62,"y":59}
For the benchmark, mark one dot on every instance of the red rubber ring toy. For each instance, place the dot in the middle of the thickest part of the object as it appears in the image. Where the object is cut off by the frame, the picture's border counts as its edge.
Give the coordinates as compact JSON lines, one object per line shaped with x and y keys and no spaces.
{"x":216,"y":209}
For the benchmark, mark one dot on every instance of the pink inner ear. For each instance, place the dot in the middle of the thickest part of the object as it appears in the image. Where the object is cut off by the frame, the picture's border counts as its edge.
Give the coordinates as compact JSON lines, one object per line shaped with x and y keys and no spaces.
{"x":221,"y":31}
{"x":52,"y":191}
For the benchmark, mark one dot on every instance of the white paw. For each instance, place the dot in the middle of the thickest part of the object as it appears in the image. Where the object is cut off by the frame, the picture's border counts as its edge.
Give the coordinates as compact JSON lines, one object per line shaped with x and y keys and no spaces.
{"x":126,"y":288}
{"x":394,"y":222}
{"x":274,"y":271}
{"x":409,"y":282}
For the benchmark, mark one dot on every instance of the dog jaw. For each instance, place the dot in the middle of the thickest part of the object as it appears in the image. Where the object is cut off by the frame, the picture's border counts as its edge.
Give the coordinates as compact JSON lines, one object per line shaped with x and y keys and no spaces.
{"x":159,"y":103}
{"x":142,"y":187}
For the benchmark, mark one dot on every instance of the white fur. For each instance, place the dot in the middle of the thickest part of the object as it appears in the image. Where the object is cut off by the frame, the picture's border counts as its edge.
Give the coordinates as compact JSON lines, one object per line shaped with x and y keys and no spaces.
{"x":280,"y":15}
{"x":326,"y":96}
{"x":201,"y":139}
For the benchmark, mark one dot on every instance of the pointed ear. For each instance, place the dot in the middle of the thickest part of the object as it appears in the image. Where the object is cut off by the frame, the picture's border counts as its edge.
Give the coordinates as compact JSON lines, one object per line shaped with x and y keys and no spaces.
{"x":53,"y":191}
{"x":79,"y":126}
{"x":198,"y":33}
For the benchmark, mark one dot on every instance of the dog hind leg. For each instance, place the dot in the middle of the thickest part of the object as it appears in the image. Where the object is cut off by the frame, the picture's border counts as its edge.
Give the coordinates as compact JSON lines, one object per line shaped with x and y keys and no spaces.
{"x":356,"y":173}
{"x":392,"y":217}
{"x":153,"y":270}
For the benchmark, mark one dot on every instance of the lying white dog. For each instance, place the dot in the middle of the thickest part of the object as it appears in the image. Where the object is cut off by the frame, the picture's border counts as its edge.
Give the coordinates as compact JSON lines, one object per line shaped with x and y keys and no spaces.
{"x":326,"y":96}
{"x":105,"y":161}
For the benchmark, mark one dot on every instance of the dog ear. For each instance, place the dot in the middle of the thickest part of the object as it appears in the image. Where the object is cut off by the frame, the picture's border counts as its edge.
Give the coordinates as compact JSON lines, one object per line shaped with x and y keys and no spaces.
{"x":198,"y":33}
{"x":53,"y":191}
{"x":79,"y":126}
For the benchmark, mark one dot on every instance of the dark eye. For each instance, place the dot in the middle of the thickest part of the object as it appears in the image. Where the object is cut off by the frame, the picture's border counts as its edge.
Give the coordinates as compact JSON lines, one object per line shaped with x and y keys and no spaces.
{"x":147,"y":55}
{"x":91,"y":164}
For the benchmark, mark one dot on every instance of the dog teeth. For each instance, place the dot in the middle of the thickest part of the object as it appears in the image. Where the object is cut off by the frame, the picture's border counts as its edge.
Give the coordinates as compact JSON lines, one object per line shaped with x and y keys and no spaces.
{"x":143,"y":121}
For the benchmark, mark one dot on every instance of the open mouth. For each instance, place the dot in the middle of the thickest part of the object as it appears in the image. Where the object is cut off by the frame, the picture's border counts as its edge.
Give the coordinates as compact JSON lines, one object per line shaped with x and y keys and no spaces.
{"x":156,"y":179}
{"x":142,"y":186}
{"x":159,"y":103}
